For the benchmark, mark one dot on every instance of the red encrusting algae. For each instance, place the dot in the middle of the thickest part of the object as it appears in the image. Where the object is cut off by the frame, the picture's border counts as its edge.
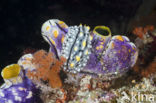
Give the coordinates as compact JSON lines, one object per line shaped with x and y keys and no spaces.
{"x":141,"y":31}
{"x":145,"y":71}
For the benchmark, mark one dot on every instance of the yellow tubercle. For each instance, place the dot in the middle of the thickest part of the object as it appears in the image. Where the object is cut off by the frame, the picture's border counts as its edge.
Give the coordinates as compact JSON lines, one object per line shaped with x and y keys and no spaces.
{"x":91,"y":37}
{"x":84,"y":43}
{"x":62,"y":40}
{"x":88,"y":27}
{"x":55,"y":32}
{"x":72,"y":65}
{"x":101,"y":46}
{"x":60,"y":22}
{"x":63,"y":25}
{"x":97,"y":48}
{"x":77,"y":58}
{"x":86,"y":52}
{"x":81,"y":34}
{"x":47,"y":28}
{"x":53,"y":42}
{"x":75,"y":48}
{"x":11,"y":71}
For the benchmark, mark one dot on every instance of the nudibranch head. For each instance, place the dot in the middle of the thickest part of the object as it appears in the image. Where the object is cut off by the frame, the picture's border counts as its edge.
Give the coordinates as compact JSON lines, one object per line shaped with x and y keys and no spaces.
{"x":76,"y":48}
{"x":54,"y":31}
{"x":11,"y":71}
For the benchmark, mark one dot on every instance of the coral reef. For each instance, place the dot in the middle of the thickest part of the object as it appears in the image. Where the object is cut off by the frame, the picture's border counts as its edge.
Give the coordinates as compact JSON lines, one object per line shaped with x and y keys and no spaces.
{"x":83,"y":66}
{"x":146,"y":71}
{"x":145,"y":42}
{"x":142,"y":32}
{"x":140,"y":92}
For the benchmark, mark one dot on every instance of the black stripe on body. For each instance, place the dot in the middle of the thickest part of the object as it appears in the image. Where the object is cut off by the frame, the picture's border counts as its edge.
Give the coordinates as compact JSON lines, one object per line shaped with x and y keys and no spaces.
{"x":72,"y":48}
{"x":85,"y":46}
{"x":55,"y":50}
{"x":60,"y":28}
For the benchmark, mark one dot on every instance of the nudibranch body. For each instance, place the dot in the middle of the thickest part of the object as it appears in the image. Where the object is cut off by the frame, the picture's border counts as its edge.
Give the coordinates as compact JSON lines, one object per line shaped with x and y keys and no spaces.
{"x":94,"y":52}
{"x":76,"y":48}
{"x":17,"y":88}
{"x":54,"y":31}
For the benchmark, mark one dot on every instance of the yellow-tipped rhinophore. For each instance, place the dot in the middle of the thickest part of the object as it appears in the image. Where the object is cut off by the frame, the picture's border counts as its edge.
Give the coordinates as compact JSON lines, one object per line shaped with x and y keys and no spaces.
{"x":11,"y":71}
{"x":102,"y":28}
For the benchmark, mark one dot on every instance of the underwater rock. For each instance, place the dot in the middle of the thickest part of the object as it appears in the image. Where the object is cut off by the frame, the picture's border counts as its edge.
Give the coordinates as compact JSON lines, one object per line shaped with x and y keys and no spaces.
{"x":17,"y":88}
{"x":84,"y":86}
{"x":143,"y":91}
{"x":83,"y":55}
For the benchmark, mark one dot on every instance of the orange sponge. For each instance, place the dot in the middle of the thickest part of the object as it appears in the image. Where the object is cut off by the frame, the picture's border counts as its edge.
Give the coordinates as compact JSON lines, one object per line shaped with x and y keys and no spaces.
{"x":47,"y":68}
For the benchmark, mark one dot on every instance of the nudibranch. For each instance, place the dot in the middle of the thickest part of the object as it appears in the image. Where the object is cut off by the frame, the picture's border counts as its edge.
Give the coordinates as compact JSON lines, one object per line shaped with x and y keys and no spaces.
{"x":17,"y":88}
{"x":90,"y":51}
{"x":76,"y":48}
{"x":54,"y":31}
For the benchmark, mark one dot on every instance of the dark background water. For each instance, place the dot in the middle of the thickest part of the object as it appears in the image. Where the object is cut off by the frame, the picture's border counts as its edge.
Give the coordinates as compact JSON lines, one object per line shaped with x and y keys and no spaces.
{"x":21,"y":20}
